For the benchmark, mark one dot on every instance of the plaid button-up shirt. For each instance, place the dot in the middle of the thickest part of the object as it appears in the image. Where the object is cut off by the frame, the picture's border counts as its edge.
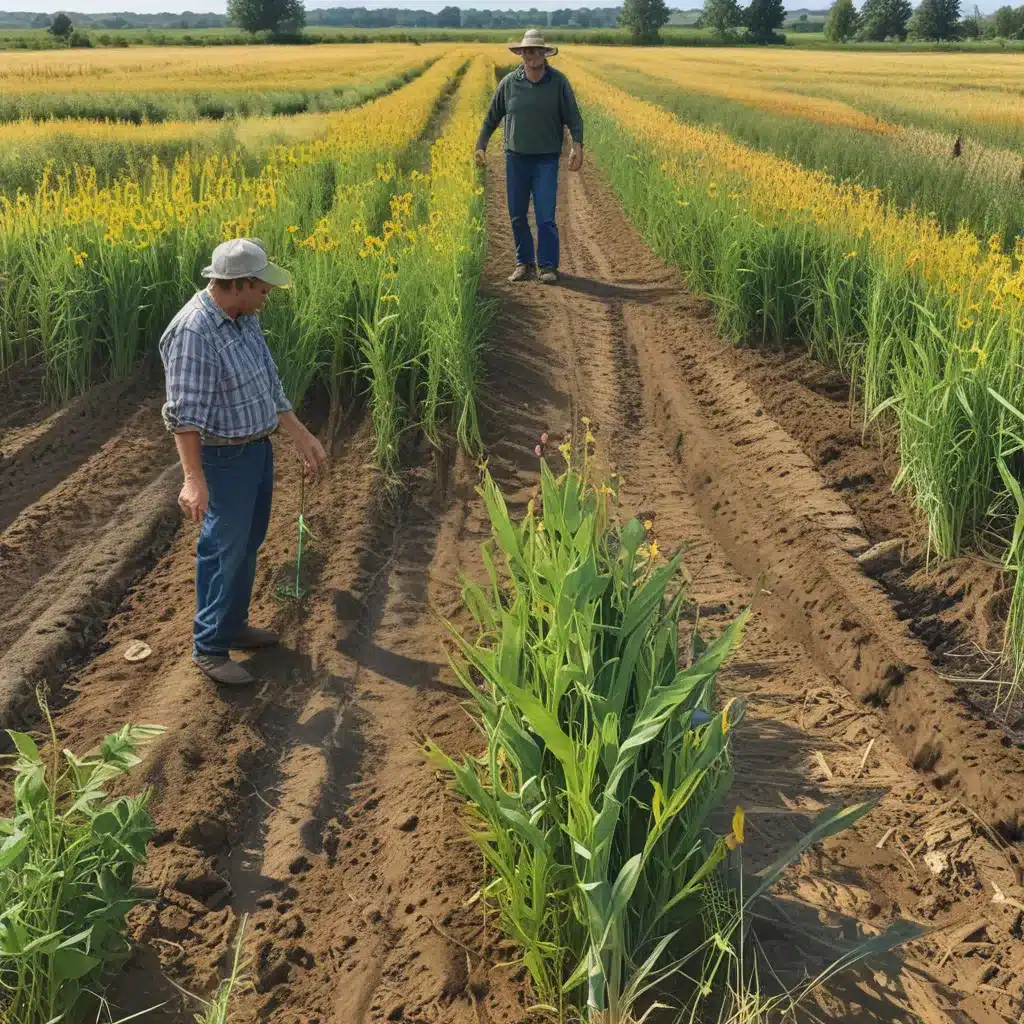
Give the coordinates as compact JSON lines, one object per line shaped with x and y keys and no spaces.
{"x":221,"y":377}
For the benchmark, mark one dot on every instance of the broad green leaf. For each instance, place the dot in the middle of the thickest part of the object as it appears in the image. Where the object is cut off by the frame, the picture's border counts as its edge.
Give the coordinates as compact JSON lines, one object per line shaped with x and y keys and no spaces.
{"x":12,"y":848}
{"x":26,"y":745}
{"x":71,"y":964}
{"x":632,"y":536}
{"x":546,"y":726}
{"x":832,"y":820}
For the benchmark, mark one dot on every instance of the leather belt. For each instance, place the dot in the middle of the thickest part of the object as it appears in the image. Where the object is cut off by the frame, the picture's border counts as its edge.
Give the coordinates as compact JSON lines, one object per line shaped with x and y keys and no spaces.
{"x":219,"y":442}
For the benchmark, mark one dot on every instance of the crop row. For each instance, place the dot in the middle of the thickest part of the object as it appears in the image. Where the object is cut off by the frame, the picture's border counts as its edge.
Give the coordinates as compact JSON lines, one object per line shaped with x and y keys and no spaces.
{"x":925,"y":323}
{"x":93,"y":272}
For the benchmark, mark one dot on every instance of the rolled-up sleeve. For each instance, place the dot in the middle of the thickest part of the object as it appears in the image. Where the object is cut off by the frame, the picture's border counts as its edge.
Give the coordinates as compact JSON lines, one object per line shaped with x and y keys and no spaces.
{"x":192,"y":372}
{"x":571,"y":113}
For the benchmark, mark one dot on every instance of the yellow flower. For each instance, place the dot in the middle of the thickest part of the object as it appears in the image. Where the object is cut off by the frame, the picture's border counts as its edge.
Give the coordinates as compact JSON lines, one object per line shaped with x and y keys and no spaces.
{"x":540,"y":526}
{"x":648,"y":524}
{"x":735,"y":838}
{"x":851,"y":254}
{"x":590,"y":438}
{"x":389,"y":298}
{"x":980,"y":353}
{"x":654,"y":550}
{"x":292,"y":228}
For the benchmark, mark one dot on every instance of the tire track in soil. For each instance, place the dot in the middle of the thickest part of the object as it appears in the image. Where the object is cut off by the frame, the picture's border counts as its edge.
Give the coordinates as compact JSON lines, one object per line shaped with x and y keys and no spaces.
{"x":677,"y":413}
{"x":74,"y":508}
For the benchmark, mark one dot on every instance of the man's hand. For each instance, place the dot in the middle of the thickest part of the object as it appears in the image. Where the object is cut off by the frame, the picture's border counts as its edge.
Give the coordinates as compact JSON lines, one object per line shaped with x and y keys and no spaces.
{"x":311,"y":450}
{"x":194,"y":498}
{"x":576,"y":158}
{"x":481,"y":158}
{"x":313,"y":454}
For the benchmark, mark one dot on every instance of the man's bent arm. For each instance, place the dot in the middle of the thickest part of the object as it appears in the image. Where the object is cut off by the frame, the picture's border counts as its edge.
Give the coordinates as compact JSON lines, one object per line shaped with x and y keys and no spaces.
{"x":495,"y":112}
{"x":190,"y":451}
{"x":571,"y":113}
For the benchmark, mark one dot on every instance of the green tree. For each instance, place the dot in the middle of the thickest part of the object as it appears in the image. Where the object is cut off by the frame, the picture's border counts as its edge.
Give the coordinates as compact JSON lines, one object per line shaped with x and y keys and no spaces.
{"x":936,"y":19}
{"x":280,"y":17}
{"x":449,"y":17}
{"x":60,"y":26}
{"x":721,"y":16}
{"x":971,"y":26}
{"x":763,"y":19}
{"x":843,"y":22}
{"x":881,"y":19}
{"x":644,"y":19}
{"x":1007,"y":22}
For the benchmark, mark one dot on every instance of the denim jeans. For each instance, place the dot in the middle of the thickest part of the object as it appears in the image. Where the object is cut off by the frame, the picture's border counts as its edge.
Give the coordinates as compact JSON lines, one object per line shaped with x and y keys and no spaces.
{"x":536,"y":175}
{"x":240,"y":478}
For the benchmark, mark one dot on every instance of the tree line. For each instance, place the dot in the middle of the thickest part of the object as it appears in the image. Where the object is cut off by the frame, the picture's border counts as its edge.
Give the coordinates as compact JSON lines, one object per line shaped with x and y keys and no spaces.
{"x":285,"y":19}
{"x":879,"y":20}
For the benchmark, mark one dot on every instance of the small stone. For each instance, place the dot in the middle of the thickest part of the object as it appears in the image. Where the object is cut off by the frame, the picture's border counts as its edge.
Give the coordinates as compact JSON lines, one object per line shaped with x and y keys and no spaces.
{"x":300,"y":864}
{"x":882,"y":557}
{"x":408,"y":824}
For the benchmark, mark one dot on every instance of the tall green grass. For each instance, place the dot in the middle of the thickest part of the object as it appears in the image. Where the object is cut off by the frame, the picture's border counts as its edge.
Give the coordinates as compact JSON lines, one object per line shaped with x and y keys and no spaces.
{"x":156,"y":107}
{"x":608,"y":757}
{"x":951,"y":188}
{"x":22,"y":163}
{"x":954,"y":390}
{"x":67,"y":858}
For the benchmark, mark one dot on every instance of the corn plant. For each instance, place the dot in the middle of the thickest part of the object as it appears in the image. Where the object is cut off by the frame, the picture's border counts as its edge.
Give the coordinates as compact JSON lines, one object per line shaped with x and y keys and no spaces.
{"x":594,"y":796}
{"x":606,"y":756}
{"x":67,"y":858}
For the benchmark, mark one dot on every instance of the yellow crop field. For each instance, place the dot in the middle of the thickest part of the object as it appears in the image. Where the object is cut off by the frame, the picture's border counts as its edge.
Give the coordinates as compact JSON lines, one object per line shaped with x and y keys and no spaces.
{"x":223,"y":69}
{"x":828,"y":85}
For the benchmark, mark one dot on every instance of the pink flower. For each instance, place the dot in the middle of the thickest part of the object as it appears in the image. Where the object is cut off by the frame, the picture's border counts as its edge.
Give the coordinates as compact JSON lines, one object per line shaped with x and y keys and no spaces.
{"x":544,"y":438}
{"x":536,"y":451}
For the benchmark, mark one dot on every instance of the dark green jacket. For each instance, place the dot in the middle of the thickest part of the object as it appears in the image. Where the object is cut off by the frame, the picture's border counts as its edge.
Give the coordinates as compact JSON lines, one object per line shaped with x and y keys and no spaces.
{"x":534,"y":112}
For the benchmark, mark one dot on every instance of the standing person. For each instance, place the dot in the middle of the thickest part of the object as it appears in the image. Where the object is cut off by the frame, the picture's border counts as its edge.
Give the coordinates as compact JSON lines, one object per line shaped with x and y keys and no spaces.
{"x":224,"y":400}
{"x":536,"y":102}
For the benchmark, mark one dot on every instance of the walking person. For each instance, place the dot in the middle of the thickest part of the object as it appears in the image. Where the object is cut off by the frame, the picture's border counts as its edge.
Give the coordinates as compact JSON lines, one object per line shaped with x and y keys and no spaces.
{"x":224,"y":401}
{"x":537,"y":103}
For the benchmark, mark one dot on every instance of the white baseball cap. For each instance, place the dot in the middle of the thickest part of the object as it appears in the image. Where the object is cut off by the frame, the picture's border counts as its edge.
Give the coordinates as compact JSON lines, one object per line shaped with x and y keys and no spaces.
{"x":245,"y":257}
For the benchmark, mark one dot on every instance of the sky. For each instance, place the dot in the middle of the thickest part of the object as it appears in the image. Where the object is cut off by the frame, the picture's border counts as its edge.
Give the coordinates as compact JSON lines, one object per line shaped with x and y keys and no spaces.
{"x":219,"y":6}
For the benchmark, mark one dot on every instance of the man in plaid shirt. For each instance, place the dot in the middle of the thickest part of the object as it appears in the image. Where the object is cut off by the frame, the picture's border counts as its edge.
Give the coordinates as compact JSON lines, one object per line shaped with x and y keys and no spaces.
{"x":224,"y":401}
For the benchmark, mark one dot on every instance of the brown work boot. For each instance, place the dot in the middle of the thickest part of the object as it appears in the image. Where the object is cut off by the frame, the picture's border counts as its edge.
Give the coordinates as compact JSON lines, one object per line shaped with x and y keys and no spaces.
{"x":221,"y":669}
{"x":522,"y":272}
{"x":548,"y":275}
{"x":251,"y":638}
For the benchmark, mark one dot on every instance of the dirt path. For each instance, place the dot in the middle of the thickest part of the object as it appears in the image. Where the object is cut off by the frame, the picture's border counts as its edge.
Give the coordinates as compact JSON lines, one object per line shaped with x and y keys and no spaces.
{"x":306,"y":806}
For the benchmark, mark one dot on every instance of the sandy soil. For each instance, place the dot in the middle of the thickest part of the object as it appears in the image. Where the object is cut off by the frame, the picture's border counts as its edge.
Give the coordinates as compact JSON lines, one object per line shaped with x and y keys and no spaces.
{"x":305,"y":804}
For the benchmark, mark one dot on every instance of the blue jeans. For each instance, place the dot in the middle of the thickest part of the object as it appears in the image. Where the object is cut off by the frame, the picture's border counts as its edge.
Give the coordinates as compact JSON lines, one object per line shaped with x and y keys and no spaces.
{"x":240,"y":478}
{"x":536,"y":175}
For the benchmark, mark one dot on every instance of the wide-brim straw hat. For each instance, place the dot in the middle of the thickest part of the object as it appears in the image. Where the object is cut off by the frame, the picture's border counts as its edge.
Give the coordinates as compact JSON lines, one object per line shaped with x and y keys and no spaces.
{"x":532,"y":38}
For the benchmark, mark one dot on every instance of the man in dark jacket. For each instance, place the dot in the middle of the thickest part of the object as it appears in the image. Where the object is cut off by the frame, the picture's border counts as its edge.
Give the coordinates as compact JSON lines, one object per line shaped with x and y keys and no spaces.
{"x":537,"y":103}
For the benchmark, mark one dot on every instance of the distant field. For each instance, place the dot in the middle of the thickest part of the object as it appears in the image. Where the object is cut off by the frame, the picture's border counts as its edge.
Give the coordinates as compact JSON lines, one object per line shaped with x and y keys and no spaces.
{"x":37,"y":39}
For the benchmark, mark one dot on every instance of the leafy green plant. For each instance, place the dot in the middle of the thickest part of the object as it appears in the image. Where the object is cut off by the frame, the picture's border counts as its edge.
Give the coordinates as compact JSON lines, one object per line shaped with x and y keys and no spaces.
{"x":594,"y":795}
{"x":67,"y":858}
{"x":606,"y":756}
